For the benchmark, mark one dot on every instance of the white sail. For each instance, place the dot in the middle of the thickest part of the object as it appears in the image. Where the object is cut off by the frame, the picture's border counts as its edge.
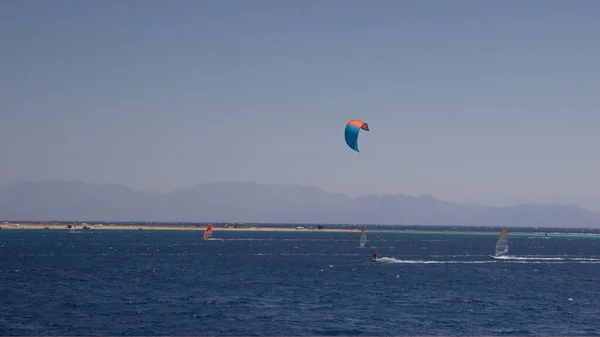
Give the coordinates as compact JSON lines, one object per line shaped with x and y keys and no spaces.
{"x":502,"y":243}
{"x":363,"y":238}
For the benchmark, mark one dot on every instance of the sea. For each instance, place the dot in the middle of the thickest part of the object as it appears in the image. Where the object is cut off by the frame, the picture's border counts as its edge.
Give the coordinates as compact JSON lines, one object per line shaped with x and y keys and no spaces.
{"x":431,"y":281}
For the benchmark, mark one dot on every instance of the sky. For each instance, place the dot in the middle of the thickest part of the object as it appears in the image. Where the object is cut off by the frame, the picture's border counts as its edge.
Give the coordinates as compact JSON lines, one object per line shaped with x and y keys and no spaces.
{"x":470,"y":101}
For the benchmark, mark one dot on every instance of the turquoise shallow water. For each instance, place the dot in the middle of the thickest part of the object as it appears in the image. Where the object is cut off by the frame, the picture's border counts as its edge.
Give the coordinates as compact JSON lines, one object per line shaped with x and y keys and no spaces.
{"x":494,"y":234}
{"x":295,"y":283}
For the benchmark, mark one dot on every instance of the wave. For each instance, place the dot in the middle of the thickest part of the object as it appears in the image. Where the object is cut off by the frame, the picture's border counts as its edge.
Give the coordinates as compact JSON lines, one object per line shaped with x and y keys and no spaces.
{"x":393,"y":260}
{"x":546,"y":258}
{"x":513,"y":259}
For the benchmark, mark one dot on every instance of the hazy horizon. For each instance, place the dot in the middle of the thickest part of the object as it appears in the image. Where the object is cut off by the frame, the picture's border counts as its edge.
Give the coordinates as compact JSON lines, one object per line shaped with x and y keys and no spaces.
{"x":491,"y":103}
{"x":252,"y":202}
{"x":593,"y":204}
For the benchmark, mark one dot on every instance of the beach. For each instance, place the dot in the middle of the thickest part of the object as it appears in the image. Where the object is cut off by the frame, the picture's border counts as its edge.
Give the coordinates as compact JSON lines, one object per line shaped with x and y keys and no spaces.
{"x":103,"y":227}
{"x":283,"y":228}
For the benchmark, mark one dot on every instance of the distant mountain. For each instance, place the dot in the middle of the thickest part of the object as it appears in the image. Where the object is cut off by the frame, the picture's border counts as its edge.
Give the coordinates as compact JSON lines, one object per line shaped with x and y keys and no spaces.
{"x":251,"y":202}
{"x":591,"y":203}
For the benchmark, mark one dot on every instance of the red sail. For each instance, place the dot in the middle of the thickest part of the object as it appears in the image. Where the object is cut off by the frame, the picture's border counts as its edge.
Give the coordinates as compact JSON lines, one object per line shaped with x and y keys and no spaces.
{"x":208,"y":231}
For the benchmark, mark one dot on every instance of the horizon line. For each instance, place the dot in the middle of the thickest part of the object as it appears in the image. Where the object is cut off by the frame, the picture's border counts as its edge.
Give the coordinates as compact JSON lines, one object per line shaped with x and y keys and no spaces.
{"x":195,"y":223}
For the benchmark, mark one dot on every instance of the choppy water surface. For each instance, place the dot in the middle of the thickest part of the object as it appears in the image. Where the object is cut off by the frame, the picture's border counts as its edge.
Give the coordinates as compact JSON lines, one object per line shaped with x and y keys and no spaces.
{"x":294,"y":283}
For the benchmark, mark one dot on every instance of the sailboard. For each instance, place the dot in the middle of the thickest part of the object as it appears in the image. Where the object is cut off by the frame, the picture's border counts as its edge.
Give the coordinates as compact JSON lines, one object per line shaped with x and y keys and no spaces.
{"x":363,"y":238}
{"x":208,"y":232}
{"x":501,"y":244}
{"x":73,"y":230}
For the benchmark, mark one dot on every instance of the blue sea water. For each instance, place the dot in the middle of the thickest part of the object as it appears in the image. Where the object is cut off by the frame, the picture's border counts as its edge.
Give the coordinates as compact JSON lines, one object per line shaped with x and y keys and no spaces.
{"x":294,"y":283}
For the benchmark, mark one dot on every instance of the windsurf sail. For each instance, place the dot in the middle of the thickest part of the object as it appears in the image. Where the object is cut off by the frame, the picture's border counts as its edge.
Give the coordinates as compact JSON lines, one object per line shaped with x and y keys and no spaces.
{"x":363,"y":237}
{"x":352,"y":128}
{"x":208,"y":232}
{"x":502,"y":243}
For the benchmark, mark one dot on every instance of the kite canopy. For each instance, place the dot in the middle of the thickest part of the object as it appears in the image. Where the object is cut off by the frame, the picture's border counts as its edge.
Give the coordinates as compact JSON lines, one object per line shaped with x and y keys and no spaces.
{"x":352,"y":129}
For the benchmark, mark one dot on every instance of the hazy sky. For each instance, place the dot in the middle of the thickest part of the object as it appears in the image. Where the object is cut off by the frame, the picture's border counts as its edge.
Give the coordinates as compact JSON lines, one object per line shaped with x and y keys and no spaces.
{"x":466,"y":100}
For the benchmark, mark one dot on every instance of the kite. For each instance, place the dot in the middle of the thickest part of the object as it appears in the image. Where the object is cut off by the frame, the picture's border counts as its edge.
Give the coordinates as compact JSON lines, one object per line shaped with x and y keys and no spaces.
{"x":352,"y":129}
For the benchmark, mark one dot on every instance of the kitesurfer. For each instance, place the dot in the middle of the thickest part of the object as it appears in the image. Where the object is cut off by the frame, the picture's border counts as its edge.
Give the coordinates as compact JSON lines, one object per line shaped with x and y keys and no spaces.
{"x":374,"y":256}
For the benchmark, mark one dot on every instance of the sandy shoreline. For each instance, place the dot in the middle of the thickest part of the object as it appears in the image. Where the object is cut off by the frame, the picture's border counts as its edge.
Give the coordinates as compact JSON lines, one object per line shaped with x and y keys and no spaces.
{"x":185,"y":228}
{"x":159,"y":227}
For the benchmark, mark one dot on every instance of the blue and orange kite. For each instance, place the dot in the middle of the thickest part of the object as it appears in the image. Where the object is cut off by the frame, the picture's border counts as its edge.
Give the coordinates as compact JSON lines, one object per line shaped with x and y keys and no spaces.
{"x":352,"y":129}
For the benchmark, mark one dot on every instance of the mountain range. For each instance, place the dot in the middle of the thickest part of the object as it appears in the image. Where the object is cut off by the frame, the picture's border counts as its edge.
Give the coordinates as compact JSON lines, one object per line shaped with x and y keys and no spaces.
{"x":53,"y":200}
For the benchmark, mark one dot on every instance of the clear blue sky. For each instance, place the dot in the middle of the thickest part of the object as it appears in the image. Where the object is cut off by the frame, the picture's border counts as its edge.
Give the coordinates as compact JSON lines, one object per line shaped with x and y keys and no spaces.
{"x":466,"y":100}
